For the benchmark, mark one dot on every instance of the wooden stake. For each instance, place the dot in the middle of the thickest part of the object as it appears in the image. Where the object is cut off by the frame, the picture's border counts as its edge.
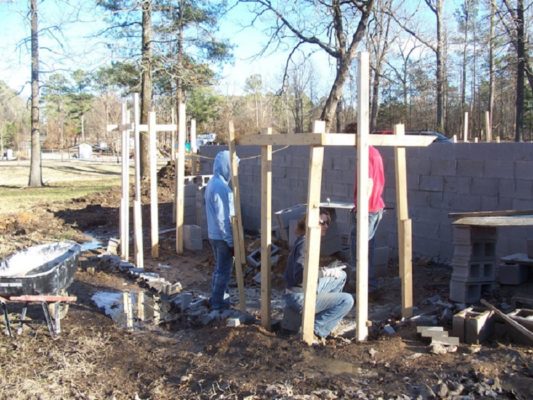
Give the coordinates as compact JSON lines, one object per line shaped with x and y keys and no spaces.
{"x":180,"y":175}
{"x":465,"y":128}
{"x":154,"y":206}
{"x":140,"y":306}
{"x":266,"y":232}
{"x":313,"y":236}
{"x":137,"y":214}
{"x":175,"y":160}
{"x":404,"y":227}
{"x":362,"y":198}
{"x":238,"y":234}
{"x":125,"y":199}
{"x":128,"y":313}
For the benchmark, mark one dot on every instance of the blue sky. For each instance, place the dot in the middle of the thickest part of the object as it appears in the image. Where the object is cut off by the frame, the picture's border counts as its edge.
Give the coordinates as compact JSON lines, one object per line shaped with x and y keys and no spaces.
{"x":81,"y":51}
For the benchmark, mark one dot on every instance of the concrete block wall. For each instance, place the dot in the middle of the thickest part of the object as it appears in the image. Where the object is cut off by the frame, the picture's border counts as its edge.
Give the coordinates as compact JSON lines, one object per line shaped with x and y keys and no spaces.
{"x":442,"y":178}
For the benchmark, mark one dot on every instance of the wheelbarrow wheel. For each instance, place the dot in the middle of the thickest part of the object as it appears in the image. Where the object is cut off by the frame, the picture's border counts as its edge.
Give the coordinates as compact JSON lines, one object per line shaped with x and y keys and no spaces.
{"x":63,"y":307}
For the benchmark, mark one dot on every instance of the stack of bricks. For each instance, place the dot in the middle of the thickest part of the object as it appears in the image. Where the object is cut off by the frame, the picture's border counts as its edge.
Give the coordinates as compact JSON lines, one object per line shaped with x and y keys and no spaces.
{"x":474,"y":262}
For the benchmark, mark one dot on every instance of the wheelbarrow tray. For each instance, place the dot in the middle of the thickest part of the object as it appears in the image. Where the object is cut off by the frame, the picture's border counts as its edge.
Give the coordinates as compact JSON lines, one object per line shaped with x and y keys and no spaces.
{"x":39,"y":270}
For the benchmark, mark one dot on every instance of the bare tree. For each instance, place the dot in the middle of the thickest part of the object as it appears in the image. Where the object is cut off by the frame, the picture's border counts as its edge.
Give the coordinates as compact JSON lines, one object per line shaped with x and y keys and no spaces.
{"x":336,"y":27}
{"x":439,"y":49}
{"x":146,"y":83}
{"x":36,"y":178}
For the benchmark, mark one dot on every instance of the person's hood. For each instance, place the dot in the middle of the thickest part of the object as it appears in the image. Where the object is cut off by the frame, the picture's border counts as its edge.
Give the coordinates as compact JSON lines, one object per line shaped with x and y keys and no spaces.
{"x":221,"y":166}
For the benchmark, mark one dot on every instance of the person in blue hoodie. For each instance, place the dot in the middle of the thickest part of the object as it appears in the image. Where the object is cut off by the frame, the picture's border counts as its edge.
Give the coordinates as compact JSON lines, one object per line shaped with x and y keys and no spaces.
{"x":219,"y":210}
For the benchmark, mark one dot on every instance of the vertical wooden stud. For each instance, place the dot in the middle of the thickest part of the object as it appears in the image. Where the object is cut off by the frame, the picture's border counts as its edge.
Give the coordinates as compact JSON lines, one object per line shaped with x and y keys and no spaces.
{"x":174,"y":159}
{"x":154,"y":206}
{"x":180,"y":181}
{"x":238,"y":234}
{"x":404,"y":227}
{"x":465,"y":128}
{"x":194,"y":148}
{"x":266,"y":231}
{"x":488,"y":126}
{"x":125,"y":200}
{"x":137,"y":214}
{"x":362,"y":197}
{"x":313,"y":236}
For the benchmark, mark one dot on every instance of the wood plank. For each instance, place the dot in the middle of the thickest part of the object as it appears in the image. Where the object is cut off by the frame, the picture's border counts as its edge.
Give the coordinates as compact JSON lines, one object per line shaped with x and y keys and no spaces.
{"x":511,"y":220}
{"x":137,"y":214}
{"x":500,"y":213}
{"x":42,"y":299}
{"x":313,"y":237}
{"x":406,"y":266}
{"x":194,"y":148}
{"x":154,"y":206}
{"x":238,"y":235}
{"x":333,"y":139}
{"x":180,"y":178}
{"x":363,"y":124}
{"x":173,"y":157}
{"x":125,"y":196}
{"x":266,"y":232}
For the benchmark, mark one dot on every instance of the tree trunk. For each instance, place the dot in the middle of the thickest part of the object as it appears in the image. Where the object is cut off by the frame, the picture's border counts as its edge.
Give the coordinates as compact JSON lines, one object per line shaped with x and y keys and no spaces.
{"x":440,"y":67}
{"x":179,"y":75}
{"x":35,"y":179}
{"x":146,"y":90}
{"x":375,"y":100}
{"x":491,"y":62}
{"x":520,"y":67}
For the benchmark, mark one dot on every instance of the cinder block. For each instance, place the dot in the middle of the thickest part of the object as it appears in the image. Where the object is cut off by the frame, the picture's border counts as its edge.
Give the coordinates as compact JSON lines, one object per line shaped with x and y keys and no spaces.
{"x":472,"y":325}
{"x":431,"y":183}
{"x":192,"y":237}
{"x":468,"y":292}
{"x":286,"y":215}
{"x":475,"y":272}
{"x":468,"y":167}
{"x":484,"y":186}
{"x":512,"y":274}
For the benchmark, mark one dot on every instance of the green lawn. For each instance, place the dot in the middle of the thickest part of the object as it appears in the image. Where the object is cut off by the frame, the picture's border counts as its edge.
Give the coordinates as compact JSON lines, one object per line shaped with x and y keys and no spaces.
{"x":63,"y":181}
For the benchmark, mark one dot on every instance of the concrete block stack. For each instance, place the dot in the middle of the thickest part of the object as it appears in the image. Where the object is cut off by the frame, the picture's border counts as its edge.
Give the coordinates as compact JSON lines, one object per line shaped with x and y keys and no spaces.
{"x":192,"y":237}
{"x":474,"y":262}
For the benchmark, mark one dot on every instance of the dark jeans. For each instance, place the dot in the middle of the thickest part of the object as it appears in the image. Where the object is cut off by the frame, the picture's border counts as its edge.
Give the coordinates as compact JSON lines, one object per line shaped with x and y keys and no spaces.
{"x":373,"y":221}
{"x":221,"y":274}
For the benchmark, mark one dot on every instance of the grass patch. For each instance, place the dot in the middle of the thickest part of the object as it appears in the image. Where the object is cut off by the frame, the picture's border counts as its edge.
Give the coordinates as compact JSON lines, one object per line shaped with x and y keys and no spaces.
{"x":15,"y":199}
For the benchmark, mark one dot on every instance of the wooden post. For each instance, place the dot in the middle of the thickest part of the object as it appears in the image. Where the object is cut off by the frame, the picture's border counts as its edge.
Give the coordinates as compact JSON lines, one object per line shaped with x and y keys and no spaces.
{"x":137,"y":214}
{"x":465,"y":128}
{"x":488,"y":126}
{"x":236,"y":222}
{"x":180,"y":181}
{"x":266,"y":231}
{"x":313,"y":236}
{"x":154,"y":209}
{"x":194,"y":148}
{"x":404,"y":227}
{"x":125,"y":200}
{"x":126,"y":300}
{"x":362,"y":198}
{"x":140,"y":305}
{"x":175,"y":161}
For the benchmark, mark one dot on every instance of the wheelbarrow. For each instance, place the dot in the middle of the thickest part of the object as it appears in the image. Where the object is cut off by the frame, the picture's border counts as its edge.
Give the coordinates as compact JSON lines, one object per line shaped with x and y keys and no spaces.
{"x":40,"y":274}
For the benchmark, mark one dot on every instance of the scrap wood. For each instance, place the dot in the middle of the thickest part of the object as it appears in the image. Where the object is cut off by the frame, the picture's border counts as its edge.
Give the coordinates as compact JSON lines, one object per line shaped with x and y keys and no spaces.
{"x":519,"y":327}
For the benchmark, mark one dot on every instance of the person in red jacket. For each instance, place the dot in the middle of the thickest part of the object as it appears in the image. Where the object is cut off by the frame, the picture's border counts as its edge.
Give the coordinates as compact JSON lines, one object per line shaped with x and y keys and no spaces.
{"x":376,"y":174}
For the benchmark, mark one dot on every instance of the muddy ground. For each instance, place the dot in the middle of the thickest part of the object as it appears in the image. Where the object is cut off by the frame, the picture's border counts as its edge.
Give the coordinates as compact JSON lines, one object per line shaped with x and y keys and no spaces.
{"x":95,"y":358}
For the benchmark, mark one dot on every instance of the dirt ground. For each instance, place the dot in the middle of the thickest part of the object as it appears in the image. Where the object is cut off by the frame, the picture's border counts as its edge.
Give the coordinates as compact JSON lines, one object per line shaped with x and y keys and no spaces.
{"x":95,"y":358}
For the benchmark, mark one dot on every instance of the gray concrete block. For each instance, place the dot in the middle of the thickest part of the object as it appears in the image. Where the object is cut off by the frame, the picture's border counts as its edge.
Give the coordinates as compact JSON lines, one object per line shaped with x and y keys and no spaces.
{"x":484,"y":187}
{"x":524,"y":189}
{"x":441,"y":167}
{"x":498,"y":168}
{"x":469,"y":167}
{"x":431,"y":183}
{"x":472,"y":325}
{"x":468,"y":292}
{"x":192,"y":237}
{"x":512,"y":274}
{"x":457,"y":184}
{"x":523,"y":169}
{"x":292,"y":320}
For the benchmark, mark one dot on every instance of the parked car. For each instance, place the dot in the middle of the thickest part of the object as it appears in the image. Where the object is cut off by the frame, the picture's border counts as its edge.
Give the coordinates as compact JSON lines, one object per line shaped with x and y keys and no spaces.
{"x":439,"y":137}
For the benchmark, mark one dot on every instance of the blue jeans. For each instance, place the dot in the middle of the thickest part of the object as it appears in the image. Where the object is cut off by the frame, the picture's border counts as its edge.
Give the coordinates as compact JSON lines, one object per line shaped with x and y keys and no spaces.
{"x":373,"y":221}
{"x":331,"y":303}
{"x":221,"y":275}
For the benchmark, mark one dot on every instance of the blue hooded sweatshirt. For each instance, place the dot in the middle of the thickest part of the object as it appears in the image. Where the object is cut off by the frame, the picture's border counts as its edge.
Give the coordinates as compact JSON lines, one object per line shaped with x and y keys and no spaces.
{"x":219,"y":200}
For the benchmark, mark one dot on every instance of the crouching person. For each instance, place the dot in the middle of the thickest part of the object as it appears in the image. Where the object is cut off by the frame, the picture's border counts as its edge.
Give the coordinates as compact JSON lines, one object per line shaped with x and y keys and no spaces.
{"x":332,"y":304}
